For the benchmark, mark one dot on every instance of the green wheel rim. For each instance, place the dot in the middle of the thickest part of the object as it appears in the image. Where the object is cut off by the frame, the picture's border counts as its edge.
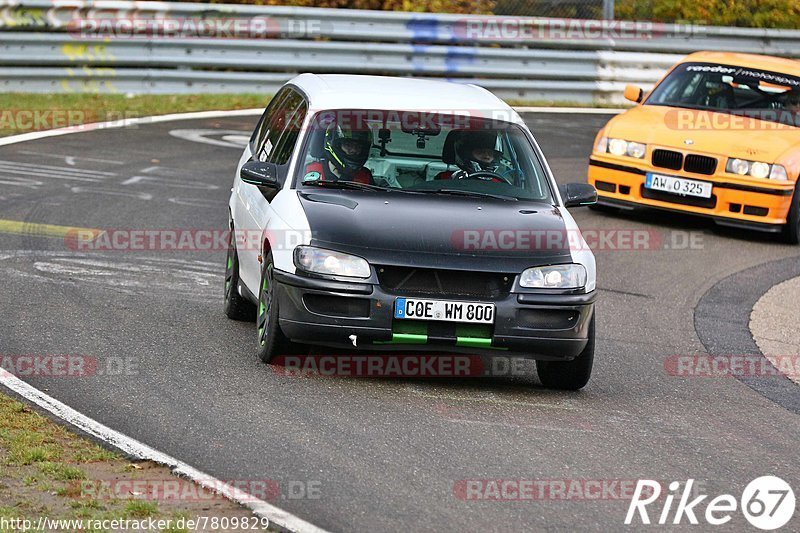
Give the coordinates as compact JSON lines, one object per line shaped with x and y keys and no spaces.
{"x":229,"y":270}
{"x":264,"y":303}
{"x":228,"y":276}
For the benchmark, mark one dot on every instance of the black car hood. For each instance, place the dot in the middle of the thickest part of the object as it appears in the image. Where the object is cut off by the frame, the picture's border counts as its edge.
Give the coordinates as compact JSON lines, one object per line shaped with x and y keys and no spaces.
{"x":437,"y":231}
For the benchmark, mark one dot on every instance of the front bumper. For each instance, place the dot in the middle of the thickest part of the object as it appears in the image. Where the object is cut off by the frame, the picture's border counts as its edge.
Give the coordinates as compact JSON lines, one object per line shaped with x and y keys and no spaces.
{"x":539,"y":326}
{"x":761,"y":207}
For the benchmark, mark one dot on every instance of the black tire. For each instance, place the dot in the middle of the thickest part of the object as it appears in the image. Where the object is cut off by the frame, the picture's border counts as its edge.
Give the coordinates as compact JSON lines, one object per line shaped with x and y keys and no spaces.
{"x":791,"y":231}
{"x":569,"y":375}
{"x":271,"y":340}
{"x":237,"y":307}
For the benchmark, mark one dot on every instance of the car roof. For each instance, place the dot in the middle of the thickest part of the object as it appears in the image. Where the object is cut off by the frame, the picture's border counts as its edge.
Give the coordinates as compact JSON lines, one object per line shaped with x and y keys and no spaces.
{"x":350,"y":91}
{"x":774,"y":64}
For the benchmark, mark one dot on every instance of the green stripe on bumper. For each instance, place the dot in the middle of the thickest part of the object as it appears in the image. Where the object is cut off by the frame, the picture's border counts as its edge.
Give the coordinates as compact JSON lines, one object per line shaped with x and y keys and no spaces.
{"x":477,"y":342}
{"x":405,"y":338}
{"x":474,"y":342}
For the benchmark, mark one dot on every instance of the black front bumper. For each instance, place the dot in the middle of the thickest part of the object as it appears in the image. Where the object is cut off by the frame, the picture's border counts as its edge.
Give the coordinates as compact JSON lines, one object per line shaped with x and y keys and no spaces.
{"x":325,"y":312}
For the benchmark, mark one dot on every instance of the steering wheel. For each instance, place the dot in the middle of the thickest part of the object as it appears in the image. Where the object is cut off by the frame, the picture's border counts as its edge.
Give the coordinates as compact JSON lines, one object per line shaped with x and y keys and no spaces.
{"x":478,"y":174}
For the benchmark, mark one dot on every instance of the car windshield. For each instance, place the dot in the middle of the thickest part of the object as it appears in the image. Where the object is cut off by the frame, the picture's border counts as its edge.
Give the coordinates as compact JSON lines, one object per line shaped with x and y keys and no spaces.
{"x":754,"y":93}
{"x":423,"y":153}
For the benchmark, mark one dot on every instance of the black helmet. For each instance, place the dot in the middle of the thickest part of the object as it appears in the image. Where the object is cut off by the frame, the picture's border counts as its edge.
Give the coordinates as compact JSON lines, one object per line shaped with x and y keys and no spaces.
{"x":470,"y":141}
{"x":347,"y":161}
{"x":793,"y":98}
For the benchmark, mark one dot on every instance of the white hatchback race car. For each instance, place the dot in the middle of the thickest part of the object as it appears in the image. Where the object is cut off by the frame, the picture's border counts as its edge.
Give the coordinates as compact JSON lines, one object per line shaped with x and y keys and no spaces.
{"x":368,"y":212}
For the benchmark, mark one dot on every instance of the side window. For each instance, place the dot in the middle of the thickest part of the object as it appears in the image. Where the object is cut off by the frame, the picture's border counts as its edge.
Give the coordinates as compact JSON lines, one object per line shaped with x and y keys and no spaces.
{"x":258,"y":135}
{"x":277,"y":123}
{"x":285,"y":146}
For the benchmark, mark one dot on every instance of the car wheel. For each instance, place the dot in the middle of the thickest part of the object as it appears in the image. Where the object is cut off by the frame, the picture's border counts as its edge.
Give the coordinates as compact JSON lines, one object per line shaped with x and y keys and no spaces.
{"x":569,"y":375}
{"x":791,"y":231}
{"x":237,"y":307}
{"x":271,"y":340}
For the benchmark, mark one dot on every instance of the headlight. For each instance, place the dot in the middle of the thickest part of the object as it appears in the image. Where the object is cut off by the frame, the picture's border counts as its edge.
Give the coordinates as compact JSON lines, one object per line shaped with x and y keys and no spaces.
{"x":602,"y":145}
{"x":738,"y":166}
{"x":623,"y":147}
{"x":554,"y":277}
{"x":756,"y":169}
{"x":320,"y":261}
{"x":636,"y":150}
{"x":617,"y":146}
{"x":778,"y":173}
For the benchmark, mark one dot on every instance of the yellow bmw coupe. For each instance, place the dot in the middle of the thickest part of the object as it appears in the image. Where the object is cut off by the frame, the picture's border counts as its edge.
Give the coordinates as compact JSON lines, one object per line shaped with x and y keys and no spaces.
{"x":718,"y":136}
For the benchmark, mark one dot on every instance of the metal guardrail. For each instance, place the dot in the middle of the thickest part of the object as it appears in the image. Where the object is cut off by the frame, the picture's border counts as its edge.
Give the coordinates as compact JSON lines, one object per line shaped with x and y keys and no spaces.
{"x":43,"y":49}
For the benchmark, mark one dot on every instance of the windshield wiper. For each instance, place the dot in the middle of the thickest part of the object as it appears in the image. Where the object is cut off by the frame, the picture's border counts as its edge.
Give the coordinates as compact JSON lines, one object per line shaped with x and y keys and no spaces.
{"x":342,"y":184}
{"x":475,"y":194}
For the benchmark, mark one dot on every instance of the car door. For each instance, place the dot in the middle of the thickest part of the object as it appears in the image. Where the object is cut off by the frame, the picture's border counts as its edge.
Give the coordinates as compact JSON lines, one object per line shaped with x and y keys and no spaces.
{"x":273,"y":141}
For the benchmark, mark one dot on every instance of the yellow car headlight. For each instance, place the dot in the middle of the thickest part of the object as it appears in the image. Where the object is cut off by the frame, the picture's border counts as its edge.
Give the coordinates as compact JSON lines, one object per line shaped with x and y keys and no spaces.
{"x":738,"y":166}
{"x":636,"y":150}
{"x":756,"y":169}
{"x":622,"y":147}
{"x":759,"y":170}
{"x":778,"y":173}
{"x":617,"y":146}
{"x":602,"y":145}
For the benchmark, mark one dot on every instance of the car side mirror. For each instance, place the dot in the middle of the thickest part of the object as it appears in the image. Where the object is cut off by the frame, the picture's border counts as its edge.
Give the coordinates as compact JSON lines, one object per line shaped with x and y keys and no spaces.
{"x":578,"y":194}
{"x":633,"y":93}
{"x":260,"y":173}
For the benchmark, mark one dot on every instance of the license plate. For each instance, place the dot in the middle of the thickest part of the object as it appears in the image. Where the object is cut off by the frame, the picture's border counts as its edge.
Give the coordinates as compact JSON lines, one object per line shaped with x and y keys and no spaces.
{"x":447,"y":311}
{"x":676,"y":185}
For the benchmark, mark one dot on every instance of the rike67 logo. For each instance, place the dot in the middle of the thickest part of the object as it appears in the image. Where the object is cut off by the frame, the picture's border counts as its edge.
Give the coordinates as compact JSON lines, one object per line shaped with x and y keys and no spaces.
{"x":767,"y":502}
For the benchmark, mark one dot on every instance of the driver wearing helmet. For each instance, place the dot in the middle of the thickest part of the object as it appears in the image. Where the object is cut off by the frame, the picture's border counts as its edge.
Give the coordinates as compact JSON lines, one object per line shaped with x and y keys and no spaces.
{"x":475,"y":151}
{"x":346,"y":151}
{"x":793,"y":101}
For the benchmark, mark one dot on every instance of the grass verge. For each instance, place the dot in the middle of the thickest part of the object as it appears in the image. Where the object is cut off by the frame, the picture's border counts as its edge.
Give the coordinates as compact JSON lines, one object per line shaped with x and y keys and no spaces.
{"x":26,"y":112}
{"x":47,"y":471}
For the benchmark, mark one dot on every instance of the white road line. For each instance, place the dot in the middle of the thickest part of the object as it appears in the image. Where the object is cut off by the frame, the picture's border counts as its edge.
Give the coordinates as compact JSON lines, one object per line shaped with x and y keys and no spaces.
{"x":27,"y":172}
{"x":69,"y":170}
{"x":203,"y":136}
{"x":139,"y":450}
{"x":76,"y":158}
{"x":113,"y":124}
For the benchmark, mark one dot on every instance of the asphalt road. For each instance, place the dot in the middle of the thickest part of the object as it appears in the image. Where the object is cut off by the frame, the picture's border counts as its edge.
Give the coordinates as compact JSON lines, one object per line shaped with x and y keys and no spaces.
{"x":384,"y":455}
